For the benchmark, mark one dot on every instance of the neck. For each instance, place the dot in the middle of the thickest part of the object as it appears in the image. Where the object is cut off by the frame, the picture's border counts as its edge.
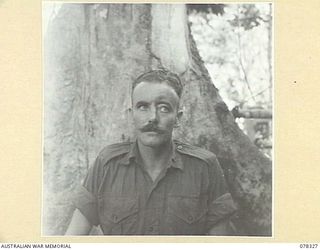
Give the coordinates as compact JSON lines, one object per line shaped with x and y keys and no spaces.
{"x":155,"y":157}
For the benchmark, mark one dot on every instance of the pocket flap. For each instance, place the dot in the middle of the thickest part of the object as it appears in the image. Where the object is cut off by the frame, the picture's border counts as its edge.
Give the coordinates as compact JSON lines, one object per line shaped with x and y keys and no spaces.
{"x":116,"y":209}
{"x":189,"y":209}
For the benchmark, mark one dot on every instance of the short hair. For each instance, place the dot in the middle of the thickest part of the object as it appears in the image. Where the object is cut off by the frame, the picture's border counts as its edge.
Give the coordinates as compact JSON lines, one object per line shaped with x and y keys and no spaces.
{"x":161,"y":75}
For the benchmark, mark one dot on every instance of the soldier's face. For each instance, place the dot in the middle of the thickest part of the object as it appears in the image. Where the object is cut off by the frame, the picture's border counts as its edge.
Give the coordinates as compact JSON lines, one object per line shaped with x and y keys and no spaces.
{"x":155,"y":113}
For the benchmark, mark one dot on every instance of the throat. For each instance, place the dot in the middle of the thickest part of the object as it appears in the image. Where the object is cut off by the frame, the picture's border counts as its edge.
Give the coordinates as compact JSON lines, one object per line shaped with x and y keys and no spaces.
{"x":154,"y":173}
{"x":156,"y":168}
{"x":155,"y":160}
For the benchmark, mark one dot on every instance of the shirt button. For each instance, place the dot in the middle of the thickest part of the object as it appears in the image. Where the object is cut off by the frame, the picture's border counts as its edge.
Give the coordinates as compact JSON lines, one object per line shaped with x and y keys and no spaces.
{"x":179,"y":147}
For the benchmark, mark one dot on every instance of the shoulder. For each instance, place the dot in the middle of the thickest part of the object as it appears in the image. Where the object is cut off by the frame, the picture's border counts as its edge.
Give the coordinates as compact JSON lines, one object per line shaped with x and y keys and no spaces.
{"x":196,"y":152}
{"x":112,"y":151}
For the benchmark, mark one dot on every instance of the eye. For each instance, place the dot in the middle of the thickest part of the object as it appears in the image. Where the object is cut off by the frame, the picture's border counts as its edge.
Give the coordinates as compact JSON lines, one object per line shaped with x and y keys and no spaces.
{"x":164,"y":109}
{"x":142,"y":107}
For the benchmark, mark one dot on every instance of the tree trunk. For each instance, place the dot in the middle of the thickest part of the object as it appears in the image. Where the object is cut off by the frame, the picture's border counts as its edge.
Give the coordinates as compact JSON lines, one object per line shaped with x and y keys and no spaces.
{"x":93,"y":52}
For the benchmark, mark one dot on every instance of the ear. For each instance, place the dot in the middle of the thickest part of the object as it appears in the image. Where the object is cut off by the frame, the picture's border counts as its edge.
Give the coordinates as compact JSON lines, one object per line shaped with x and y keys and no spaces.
{"x":178,"y":117}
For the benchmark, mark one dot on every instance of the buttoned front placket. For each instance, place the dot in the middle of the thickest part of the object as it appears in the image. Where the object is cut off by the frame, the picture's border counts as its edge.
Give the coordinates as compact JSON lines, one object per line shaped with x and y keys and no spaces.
{"x":154,"y":206}
{"x":154,"y":202}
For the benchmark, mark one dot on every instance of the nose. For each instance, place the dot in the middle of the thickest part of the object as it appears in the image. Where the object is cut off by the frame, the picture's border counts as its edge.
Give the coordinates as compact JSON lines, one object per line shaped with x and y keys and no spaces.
{"x":153,"y":115}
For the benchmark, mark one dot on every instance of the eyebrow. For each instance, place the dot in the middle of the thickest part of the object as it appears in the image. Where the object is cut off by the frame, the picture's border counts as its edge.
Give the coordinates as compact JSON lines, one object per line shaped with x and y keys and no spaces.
{"x":158,"y":102}
{"x":163,"y":102}
{"x":142,"y":102}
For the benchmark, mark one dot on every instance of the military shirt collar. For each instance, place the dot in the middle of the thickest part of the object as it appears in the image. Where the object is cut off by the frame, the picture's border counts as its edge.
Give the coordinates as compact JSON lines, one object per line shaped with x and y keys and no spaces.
{"x":134,"y":155}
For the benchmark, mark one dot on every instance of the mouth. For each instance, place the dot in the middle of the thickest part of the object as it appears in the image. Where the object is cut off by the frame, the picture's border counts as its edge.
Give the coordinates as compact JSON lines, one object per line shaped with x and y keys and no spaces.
{"x":151,"y":129}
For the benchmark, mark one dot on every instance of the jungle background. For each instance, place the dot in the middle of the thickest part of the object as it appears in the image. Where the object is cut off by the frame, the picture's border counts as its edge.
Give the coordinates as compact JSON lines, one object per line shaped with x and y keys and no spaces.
{"x":93,"y":51}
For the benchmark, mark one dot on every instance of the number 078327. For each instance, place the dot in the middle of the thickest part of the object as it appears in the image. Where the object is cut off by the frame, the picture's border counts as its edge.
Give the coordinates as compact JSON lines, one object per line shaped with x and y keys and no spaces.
{"x":308,"y":245}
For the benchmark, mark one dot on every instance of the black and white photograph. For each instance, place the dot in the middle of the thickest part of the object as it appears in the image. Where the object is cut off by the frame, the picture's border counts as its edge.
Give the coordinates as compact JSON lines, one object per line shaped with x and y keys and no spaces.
{"x":158,"y":119}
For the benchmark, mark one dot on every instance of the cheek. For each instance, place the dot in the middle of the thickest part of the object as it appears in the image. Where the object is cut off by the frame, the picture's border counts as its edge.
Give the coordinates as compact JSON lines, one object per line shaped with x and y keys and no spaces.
{"x":140,"y":121}
{"x":168,"y":122}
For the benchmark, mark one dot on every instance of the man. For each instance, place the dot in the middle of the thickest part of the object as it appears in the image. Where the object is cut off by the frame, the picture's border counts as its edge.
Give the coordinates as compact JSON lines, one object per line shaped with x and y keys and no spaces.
{"x":154,"y":185}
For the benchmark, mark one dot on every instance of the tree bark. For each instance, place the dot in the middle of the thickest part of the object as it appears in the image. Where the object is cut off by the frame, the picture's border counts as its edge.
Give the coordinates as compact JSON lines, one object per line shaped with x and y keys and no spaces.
{"x":93,"y":52}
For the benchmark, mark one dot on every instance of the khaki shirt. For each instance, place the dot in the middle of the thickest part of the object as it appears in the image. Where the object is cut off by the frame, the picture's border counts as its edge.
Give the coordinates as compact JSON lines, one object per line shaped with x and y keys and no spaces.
{"x":188,"y":198}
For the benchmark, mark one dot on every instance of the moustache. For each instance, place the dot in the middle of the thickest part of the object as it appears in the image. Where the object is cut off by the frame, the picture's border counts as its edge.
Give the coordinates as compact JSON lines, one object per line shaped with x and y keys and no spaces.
{"x":151,"y":128}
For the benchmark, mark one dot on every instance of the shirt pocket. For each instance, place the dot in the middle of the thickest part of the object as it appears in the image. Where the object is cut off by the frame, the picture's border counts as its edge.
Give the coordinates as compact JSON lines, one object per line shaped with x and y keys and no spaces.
{"x":186,"y":215}
{"x":118,"y":214}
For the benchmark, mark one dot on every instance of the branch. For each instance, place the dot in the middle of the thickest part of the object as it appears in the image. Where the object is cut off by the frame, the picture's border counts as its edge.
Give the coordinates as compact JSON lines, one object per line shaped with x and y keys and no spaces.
{"x":241,"y":63}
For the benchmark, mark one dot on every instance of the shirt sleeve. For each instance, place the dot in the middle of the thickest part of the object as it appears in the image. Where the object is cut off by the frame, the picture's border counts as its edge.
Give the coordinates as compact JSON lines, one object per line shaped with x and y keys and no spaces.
{"x":221,"y":205}
{"x":86,"y":195}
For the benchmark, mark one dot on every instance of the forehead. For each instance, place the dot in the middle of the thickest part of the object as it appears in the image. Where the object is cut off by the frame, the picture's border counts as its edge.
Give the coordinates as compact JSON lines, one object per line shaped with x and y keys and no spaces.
{"x":153,"y":91}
